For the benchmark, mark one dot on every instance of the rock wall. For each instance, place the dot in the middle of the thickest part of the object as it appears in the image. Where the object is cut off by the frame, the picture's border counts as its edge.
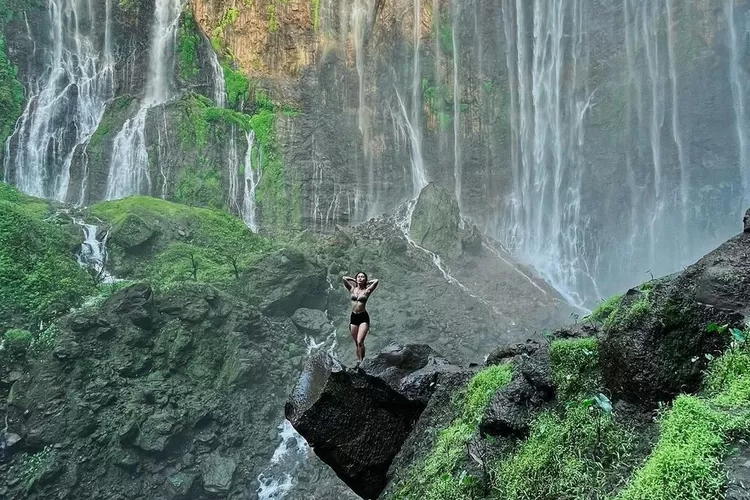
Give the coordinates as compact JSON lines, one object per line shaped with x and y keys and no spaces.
{"x":620,"y":139}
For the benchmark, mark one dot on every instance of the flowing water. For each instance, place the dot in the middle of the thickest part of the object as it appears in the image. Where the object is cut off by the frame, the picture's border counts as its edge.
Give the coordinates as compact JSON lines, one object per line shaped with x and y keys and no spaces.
{"x":66,"y":102}
{"x":217,"y":76}
{"x":544,"y":223}
{"x":738,"y":78}
{"x":93,"y":252}
{"x":129,"y":166}
{"x":253,"y":177}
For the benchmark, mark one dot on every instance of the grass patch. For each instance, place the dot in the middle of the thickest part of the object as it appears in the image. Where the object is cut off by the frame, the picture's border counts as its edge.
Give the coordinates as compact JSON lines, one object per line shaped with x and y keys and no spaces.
{"x":187,"y":47}
{"x":568,"y":455}
{"x":39,"y":276}
{"x":188,"y":243}
{"x":575,"y":367}
{"x":438,"y":476}
{"x":685,"y":463}
{"x":606,"y":311}
{"x":695,"y":434}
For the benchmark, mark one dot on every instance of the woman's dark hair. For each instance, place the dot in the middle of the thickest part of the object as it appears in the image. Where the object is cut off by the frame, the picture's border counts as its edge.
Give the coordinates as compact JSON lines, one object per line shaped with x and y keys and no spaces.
{"x":361,"y":272}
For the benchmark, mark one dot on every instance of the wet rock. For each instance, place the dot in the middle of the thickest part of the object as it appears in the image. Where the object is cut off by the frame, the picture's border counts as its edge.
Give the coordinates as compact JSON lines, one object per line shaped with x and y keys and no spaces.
{"x":655,"y":345}
{"x":180,"y":484}
{"x":283,"y":281}
{"x":513,"y":407}
{"x":435,"y":220}
{"x":357,"y":421}
{"x":217,"y":473}
{"x":135,"y":303}
{"x":311,"y":321}
{"x":132,"y":232}
{"x":411,"y":370}
{"x":156,"y":432}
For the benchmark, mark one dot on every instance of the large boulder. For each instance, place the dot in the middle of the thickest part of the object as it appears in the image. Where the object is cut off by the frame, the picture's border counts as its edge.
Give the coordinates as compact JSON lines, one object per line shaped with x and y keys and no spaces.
{"x":513,"y":407}
{"x":283,"y":281}
{"x":435,"y":222}
{"x":655,"y":342}
{"x":357,"y":420}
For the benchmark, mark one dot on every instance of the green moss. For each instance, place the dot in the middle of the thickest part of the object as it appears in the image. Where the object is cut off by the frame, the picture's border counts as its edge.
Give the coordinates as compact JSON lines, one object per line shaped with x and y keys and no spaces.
{"x":606,"y":311}
{"x":579,"y":454}
{"x":237,"y":86}
{"x":684,"y":463}
{"x":187,"y":47}
{"x":438,"y":476}
{"x":728,"y":377}
{"x":112,"y":120}
{"x":230,"y":17}
{"x":695,"y":433}
{"x":200,"y":188}
{"x":15,"y":343}
{"x":11,"y":90}
{"x":575,"y":367}
{"x":39,"y":276}
{"x":211,"y":243}
{"x":315,"y":14}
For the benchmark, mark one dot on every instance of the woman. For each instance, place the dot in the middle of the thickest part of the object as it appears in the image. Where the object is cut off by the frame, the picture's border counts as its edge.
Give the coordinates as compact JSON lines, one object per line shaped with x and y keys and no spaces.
{"x":359,"y":321}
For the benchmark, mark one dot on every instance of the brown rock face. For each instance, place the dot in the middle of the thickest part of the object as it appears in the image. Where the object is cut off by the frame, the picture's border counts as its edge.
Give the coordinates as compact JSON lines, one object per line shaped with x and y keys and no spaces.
{"x":266,"y":37}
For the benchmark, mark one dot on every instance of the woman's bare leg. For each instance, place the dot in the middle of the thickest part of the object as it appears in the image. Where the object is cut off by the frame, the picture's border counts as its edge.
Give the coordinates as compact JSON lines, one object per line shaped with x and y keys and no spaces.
{"x":361,"y":334}
{"x":354,"y":329}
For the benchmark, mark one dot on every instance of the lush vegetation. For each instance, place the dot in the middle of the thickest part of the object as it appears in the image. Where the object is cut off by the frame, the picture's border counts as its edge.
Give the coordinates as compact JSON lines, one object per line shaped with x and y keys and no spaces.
{"x":277,"y":196}
{"x":695,"y":433}
{"x":575,"y":367}
{"x":39,"y":276}
{"x":187,"y":47}
{"x":439,"y":476}
{"x":569,"y":454}
{"x":186,"y":243}
{"x":11,"y":90}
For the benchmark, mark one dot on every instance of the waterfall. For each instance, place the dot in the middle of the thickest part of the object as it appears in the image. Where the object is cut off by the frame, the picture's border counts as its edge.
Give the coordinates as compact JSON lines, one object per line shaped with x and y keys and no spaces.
{"x":252,"y":179}
{"x":456,"y":106}
{"x":737,"y":79}
{"x":418,"y":177}
{"x":234,"y":171}
{"x":217,"y":73}
{"x":361,"y":14}
{"x":66,"y":103}
{"x":543,"y":224}
{"x":129,"y":166}
{"x":93,"y":253}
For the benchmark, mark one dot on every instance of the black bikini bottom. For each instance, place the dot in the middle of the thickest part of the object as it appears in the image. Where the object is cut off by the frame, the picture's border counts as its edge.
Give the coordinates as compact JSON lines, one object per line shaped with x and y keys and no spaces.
{"x":359,"y":318}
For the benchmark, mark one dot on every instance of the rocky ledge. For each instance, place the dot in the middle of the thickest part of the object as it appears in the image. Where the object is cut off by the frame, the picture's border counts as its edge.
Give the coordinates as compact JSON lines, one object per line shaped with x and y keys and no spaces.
{"x":356,"y":420}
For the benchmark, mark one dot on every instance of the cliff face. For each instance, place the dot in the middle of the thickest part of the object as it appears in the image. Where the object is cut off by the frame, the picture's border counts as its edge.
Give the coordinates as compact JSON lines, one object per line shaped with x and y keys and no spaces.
{"x":562,"y":130}
{"x":581,"y":134}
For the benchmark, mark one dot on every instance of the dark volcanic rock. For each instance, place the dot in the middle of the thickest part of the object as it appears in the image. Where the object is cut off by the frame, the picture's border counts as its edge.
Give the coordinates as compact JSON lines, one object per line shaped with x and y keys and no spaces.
{"x":411,"y":370}
{"x":187,"y":408}
{"x":356,"y":421}
{"x":654,"y":346}
{"x":746,"y":221}
{"x":514,"y":406}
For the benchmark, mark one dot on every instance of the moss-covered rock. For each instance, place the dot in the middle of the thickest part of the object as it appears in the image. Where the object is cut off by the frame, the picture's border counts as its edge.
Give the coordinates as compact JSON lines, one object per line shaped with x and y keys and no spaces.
{"x":39,"y":276}
{"x":169,"y":242}
{"x":434,"y":222}
{"x":182,"y":379}
{"x":657,"y":344}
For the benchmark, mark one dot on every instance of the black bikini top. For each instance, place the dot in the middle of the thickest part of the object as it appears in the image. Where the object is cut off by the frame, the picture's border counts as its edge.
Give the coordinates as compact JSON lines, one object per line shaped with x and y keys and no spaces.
{"x":362,"y":299}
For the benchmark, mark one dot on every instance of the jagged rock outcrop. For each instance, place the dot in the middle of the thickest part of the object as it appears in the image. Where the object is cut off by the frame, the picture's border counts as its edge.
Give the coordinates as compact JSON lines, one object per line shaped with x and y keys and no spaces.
{"x":167,"y":393}
{"x":514,"y":406}
{"x":656,"y":341}
{"x":435,"y":220}
{"x":357,"y":420}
